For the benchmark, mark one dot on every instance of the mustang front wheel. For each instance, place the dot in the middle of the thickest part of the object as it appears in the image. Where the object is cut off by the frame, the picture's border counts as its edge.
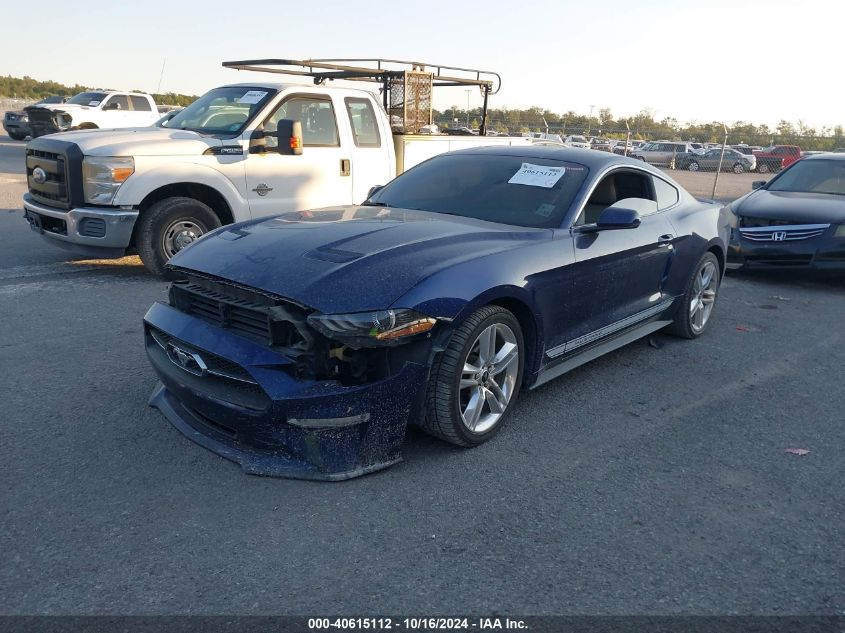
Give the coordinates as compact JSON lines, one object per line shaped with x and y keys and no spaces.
{"x":476,"y":379}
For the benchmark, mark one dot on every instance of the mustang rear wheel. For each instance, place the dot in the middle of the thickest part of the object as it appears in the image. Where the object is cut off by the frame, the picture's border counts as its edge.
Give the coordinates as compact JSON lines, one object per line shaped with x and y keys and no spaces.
{"x":475,"y":380}
{"x":695,"y":311}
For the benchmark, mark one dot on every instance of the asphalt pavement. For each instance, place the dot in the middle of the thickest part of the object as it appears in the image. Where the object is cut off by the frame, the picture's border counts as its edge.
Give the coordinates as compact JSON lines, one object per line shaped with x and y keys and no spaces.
{"x":654,"y":480}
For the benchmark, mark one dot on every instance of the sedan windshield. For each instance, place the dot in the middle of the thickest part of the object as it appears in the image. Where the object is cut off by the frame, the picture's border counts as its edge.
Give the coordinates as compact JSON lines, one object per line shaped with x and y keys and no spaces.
{"x":516,"y":190}
{"x":222,"y":110}
{"x":88,"y":98}
{"x":812,"y":176}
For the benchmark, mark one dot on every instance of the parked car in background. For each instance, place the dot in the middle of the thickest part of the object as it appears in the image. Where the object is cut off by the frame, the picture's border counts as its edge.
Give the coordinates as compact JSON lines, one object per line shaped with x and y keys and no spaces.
{"x":459,"y":131}
{"x":797,"y":219}
{"x":748,"y":150}
{"x":16,"y":123}
{"x":451,"y":289}
{"x":601,"y":144}
{"x":662,"y":152}
{"x":708,"y":160}
{"x":623,"y":148}
{"x":576,"y":140}
{"x":543,"y":136}
{"x":94,"y":109}
{"x":776,"y":157}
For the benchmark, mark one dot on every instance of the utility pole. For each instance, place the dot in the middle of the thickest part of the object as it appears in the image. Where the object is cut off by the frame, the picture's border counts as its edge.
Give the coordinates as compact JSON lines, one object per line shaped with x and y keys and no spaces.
{"x":590,"y":120}
{"x":468,"y":90}
{"x":161,"y":76}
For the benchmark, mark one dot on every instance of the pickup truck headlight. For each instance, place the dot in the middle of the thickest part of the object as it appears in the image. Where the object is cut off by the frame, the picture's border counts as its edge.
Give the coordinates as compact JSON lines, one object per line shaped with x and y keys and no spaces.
{"x":373,"y":328}
{"x":103,"y":175}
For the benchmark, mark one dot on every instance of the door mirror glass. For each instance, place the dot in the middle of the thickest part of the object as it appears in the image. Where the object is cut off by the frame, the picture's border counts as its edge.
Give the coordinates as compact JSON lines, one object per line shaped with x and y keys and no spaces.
{"x":757,"y":184}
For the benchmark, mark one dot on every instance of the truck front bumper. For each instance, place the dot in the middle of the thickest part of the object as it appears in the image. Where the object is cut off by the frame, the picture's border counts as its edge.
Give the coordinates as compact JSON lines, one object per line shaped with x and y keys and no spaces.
{"x":98,"y":232}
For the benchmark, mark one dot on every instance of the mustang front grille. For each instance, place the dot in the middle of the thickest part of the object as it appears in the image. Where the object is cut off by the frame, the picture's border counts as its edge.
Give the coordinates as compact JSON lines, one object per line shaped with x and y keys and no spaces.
{"x":246,"y":314}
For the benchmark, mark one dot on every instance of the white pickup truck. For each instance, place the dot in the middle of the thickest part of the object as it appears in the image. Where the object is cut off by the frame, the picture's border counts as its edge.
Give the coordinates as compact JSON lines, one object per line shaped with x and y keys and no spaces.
{"x":92,"y":110}
{"x":223,"y":159}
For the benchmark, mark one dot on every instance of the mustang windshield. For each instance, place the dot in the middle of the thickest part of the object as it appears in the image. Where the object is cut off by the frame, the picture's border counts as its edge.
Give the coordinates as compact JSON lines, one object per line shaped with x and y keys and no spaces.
{"x":516,"y":190}
{"x":222,"y":110}
{"x":812,"y":176}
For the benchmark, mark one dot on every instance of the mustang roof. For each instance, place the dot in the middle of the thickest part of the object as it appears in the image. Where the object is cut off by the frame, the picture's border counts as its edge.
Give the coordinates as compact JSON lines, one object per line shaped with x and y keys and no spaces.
{"x":587,"y":157}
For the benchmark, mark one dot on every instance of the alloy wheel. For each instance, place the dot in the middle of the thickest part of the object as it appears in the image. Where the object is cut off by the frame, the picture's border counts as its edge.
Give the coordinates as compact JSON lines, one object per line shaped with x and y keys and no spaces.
{"x":705,"y":287}
{"x":488,"y":378}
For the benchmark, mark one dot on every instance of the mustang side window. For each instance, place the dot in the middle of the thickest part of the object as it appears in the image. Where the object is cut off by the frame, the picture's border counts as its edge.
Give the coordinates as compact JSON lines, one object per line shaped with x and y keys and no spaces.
{"x":665,"y":193}
{"x":615,"y":187}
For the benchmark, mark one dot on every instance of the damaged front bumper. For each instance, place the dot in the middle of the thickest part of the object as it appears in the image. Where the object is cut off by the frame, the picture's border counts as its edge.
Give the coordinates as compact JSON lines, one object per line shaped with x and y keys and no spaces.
{"x":242,"y":402}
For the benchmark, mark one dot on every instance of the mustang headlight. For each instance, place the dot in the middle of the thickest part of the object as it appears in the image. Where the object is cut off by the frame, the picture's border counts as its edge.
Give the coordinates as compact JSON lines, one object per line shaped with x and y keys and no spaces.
{"x":840,"y":231}
{"x":378,"y":326}
{"x":103,"y":175}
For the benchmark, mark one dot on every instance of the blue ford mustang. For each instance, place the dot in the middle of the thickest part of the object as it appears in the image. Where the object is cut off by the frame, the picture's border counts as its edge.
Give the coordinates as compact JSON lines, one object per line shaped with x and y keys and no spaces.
{"x":302,"y":345}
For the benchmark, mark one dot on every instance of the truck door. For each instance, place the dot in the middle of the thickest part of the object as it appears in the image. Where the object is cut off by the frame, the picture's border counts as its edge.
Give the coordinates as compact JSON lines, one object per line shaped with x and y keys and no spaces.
{"x":142,"y":111}
{"x":319,"y":177}
{"x":372,"y":156}
{"x":118,"y":117}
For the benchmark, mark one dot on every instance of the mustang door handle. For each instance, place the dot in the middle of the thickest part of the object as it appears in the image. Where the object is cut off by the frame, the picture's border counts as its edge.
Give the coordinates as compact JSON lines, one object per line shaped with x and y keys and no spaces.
{"x":665,"y":240}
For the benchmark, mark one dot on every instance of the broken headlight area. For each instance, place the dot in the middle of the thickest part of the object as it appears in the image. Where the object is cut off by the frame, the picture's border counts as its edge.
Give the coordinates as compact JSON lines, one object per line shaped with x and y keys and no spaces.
{"x":351,"y":349}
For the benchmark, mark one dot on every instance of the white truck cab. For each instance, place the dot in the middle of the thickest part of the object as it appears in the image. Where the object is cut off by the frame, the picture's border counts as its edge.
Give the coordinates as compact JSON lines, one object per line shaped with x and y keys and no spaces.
{"x":156,"y":189}
{"x":94,"y":109}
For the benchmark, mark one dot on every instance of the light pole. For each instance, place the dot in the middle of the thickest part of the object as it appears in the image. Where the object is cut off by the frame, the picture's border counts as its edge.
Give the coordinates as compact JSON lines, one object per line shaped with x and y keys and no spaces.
{"x":590,"y":120}
{"x":468,"y":90}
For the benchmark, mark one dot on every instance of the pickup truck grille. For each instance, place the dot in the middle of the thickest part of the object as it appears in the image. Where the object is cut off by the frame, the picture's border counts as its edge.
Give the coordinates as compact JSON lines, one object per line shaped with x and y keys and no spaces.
{"x":49,"y":182}
{"x":244,"y":313}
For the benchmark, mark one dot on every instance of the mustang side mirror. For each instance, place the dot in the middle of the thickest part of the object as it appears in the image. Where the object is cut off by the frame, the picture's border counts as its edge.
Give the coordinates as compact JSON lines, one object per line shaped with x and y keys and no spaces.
{"x":374,"y":190}
{"x":757,"y":184}
{"x":618,"y":218}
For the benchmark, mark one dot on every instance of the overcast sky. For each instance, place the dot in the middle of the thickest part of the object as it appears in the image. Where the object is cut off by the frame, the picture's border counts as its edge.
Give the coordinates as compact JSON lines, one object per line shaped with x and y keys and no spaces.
{"x":753,"y":60}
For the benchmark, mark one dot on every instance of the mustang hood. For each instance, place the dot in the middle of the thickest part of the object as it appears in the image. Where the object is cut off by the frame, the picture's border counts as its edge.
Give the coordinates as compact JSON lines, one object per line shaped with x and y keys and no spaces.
{"x":802,"y":208}
{"x":347,"y":259}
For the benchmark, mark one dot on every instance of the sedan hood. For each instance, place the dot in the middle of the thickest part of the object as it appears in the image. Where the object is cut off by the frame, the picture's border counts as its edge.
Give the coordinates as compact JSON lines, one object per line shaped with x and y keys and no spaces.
{"x":141,"y":141}
{"x":804,"y":208}
{"x":347,"y":259}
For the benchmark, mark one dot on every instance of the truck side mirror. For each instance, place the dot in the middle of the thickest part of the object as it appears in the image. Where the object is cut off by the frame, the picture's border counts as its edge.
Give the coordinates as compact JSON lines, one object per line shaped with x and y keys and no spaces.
{"x":289,"y":133}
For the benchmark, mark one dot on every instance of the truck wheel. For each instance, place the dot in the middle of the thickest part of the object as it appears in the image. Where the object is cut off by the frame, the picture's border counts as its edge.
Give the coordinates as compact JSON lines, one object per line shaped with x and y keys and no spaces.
{"x":170,"y":225}
{"x":16,"y":136}
{"x":763,"y":168}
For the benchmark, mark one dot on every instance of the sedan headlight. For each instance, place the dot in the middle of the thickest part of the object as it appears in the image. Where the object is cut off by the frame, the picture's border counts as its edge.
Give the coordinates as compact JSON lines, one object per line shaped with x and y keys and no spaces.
{"x":103,"y":175}
{"x":373,"y":328}
{"x":840,"y":231}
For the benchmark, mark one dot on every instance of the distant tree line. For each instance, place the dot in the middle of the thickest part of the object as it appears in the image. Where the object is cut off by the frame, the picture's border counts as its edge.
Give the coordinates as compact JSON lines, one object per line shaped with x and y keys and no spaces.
{"x":643,"y":126}
{"x":27,"y":88}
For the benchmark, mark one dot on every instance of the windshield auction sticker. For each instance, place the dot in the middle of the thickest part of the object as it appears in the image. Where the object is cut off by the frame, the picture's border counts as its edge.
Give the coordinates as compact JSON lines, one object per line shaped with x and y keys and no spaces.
{"x":252,"y":96}
{"x":537,"y":175}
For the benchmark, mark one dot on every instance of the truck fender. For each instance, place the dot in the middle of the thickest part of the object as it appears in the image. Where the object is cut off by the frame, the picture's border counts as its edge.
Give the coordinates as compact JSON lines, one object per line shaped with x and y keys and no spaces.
{"x":140,"y":185}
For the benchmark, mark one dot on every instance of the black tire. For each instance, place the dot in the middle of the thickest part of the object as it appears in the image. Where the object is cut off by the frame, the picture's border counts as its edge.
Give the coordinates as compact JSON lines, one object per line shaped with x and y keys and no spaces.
{"x":443,"y":417}
{"x":693,"y":166}
{"x":683,"y":325}
{"x":763,"y":168}
{"x":738,"y":168}
{"x":154,"y":239}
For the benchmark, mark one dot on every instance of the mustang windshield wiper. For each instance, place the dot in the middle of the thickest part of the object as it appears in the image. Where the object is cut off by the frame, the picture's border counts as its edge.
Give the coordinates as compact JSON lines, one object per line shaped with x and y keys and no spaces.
{"x":368,"y":203}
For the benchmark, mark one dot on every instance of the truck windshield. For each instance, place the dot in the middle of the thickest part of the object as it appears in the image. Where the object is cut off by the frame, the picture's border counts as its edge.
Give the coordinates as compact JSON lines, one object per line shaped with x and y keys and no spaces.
{"x":88,"y":98}
{"x":517,"y":190}
{"x":812,"y":176}
{"x":223,"y":111}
